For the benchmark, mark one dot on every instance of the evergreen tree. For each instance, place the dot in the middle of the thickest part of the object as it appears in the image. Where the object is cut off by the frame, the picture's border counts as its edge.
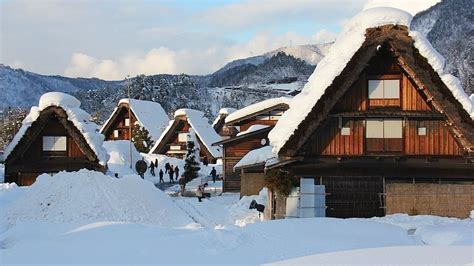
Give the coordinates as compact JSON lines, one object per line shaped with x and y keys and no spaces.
{"x":191,"y":162}
{"x":141,"y":138}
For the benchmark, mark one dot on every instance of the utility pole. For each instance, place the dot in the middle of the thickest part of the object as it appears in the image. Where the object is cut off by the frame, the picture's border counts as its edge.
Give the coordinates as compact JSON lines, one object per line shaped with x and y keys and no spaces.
{"x":129,"y":121}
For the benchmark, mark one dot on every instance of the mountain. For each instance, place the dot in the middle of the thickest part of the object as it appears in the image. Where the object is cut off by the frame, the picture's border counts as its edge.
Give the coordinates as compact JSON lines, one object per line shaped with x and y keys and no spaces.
{"x":449,"y":26}
{"x":22,"y":88}
{"x":310,"y":53}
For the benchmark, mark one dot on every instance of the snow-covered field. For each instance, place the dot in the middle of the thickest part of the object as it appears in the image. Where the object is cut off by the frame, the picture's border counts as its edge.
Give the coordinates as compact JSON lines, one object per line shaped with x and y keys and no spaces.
{"x":88,"y":217}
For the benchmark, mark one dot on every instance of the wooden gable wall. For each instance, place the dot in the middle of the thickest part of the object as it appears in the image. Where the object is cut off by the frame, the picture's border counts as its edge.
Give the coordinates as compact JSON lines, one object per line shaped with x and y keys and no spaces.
{"x":354,"y":107}
{"x":118,"y":123}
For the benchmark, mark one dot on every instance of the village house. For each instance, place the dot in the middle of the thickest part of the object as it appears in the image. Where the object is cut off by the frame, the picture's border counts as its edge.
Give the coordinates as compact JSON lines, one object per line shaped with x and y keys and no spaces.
{"x":381,"y":126}
{"x":174,"y":138}
{"x":221,"y":128}
{"x":57,"y":135}
{"x":149,"y":115}
{"x":254,"y":122}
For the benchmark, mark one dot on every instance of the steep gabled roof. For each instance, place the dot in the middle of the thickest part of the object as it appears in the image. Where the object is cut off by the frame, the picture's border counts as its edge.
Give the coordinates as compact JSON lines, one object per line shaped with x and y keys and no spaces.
{"x":150,"y":115}
{"x":346,"y":60}
{"x":75,"y":120}
{"x":257,"y":108}
{"x":204,"y":131}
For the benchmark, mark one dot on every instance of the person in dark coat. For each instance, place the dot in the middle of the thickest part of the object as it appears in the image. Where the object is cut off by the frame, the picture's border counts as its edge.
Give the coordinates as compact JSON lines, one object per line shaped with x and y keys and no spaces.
{"x":170,"y":173}
{"x":161,"y":176}
{"x":167,"y":167}
{"x":182,"y":184}
{"x":152,"y":169}
{"x":214,"y":174}
{"x":156,"y":163}
{"x":176,"y":172}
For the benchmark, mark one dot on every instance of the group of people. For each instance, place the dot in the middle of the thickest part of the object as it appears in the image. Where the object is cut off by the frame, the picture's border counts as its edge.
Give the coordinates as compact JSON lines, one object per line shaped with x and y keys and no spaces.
{"x":172,"y":171}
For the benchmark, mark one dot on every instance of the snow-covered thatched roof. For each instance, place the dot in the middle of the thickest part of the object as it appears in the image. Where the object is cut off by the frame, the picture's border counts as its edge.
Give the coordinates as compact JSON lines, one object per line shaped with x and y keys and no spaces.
{"x":257,"y":156}
{"x":257,"y":108}
{"x":150,"y":115}
{"x":205,"y":132}
{"x":342,"y":51}
{"x":80,"y":118}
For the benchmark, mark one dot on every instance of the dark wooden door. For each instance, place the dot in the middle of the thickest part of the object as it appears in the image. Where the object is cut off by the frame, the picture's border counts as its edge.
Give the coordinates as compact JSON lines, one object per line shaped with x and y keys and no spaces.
{"x":353,"y":196}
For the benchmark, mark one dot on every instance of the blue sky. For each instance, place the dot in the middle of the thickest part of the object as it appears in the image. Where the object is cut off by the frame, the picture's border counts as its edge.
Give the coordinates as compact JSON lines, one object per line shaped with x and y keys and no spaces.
{"x":111,"y":39}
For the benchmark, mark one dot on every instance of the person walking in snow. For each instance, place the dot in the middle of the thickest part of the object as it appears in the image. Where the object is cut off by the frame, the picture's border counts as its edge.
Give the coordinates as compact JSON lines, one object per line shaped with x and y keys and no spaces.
{"x":171,"y":172}
{"x":156,"y":163}
{"x":176,"y":172}
{"x":152,"y":169}
{"x":182,"y":184}
{"x":161,"y":176}
{"x":200,"y":193}
{"x":213,"y":174}
{"x":167,"y":167}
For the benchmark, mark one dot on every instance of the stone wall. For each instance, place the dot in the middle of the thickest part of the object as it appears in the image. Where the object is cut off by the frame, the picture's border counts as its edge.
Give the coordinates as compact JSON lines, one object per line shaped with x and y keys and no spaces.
{"x":452,"y":200}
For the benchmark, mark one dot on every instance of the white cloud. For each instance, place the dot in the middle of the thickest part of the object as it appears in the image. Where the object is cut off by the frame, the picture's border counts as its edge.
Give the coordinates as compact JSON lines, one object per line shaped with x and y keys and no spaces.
{"x":159,"y":60}
{"x":411,"y":6}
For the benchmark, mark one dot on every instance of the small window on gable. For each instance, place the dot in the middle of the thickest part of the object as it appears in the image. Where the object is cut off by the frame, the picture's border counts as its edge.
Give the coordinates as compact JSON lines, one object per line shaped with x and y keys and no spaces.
{"x":384,"y":89}
{"x":116,"y":133}
{"x":54,"y":144}
{"x":127,"y":122}
{"x":384,"y":135}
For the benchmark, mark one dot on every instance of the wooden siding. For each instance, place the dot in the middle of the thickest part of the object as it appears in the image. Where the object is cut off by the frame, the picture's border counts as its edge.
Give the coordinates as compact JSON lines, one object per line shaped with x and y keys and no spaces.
{"x":118,"y":123}
{"x":249,"y":123}
{"x":437,"y":141}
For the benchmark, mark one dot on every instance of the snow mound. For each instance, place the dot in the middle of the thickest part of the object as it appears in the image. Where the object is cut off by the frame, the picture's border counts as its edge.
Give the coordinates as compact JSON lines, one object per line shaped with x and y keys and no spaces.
{"x":461,"y":233}
{"x":89,"y":196}
{"x":80,"y":118}
{"x":241,"y":213}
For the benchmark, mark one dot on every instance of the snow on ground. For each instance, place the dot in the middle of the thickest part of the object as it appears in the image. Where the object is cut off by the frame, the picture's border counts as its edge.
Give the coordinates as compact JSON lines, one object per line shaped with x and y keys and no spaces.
{"x":93,"y":218}
{"x":88,"y":196}
{"x":406,"y":255}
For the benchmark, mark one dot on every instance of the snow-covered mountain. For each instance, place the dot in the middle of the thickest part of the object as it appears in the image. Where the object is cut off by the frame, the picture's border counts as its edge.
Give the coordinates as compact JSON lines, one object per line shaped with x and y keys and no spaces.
{"x":310,"y":53}
{"x":22,"y":88}
{"x":449,"y":26}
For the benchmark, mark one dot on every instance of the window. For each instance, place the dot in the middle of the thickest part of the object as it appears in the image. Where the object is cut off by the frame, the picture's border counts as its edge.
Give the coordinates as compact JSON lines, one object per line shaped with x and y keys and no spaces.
{"x":384,"y":135}
{"x":127,"y":122}
{"x":384,"y":89}
{"x":54,"y":143}
{"x":183,"y":137}
{"x":422,"y":131}
{"x":345,"y":131}
{"x":116,"y":133}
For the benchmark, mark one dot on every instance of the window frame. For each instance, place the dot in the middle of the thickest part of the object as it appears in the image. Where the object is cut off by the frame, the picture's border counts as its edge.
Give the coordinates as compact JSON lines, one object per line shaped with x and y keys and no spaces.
{"x":376,"y":102}
{"x":384,"y":143}
{"x":55,"y":152}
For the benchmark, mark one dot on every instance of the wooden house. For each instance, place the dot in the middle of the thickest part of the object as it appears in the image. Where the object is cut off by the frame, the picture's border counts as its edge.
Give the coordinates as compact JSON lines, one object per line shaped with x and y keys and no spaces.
{"x":55,"y":136}
{"x":221,"y":128}
{"x":174,"y":138}
{"x":147,"y":114}
{"x":387,"y":131}
{"x":254,"y":121}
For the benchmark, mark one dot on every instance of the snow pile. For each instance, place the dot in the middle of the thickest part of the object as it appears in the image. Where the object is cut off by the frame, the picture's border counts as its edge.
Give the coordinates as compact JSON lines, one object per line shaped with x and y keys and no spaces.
{"x":241,"y":213}
{"x":119,"y":157}
{"x":150,"y":115}
{"x":408,"y":222}
{"x":256,"y":108}
{"x":340,"y":53}
{"x":251,"y":129}
{"x":80,"y":118}
{"x":460,"y":233}
{"x":89,"y":196}
{"x":203,"y":129}
{"x":256,"y":156}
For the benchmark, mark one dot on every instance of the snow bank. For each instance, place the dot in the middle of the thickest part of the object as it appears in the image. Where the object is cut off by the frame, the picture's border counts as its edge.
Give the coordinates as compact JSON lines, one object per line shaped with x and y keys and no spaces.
{"x":241,"y":213}
{"x":89,"y":196}
{"x":340,"y":53}
{"x":150,"y":115}
{"x":257,"y":107}
{"x":407,"y":255}
{"x":256,"y":156}
{"x":80,"y":118}
{"x":460,"y":233}
{"x":251,"y":129}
